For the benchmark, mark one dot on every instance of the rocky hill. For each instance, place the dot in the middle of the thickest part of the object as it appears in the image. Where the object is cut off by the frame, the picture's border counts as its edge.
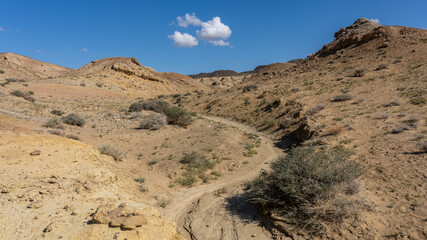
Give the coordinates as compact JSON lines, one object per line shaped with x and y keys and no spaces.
{"x":366,"y":91}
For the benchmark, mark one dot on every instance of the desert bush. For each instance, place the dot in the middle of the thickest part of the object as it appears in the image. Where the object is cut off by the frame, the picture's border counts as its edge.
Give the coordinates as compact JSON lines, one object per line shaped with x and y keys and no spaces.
{"x":418,"y":100}
{"x":135,"y":115}
{"x":391,"y":104}
{"x":153,"y":122}
{"x":1,"y":72}
{"x":315,"y":109}
{"x":154,"y":105}
{"x":423,"y":146}
{"x":412,"y":120}
{"x":382,"y":116}
{"x":270,"y":122}
{"x":187,"y":180}
{"x":73,"y":119}
{"x":17,"y":93}
{"x":359,"y":72}
{"x":55,"y":132}
{"x":24,"y":95}
{"x":57,"y":112}
{"x":196,"y":163}
{"x":53,"y":123}
{"x":334,"y":130}
{"x":250,"y":87}
{"x":381,"y":67}
{"x":113,"y":152}
{"x":178,"y":116}
{"x":341,"y":98}
{"x":74,"y":137}
{"x":399,"y":129}
{"x":308,"y":186}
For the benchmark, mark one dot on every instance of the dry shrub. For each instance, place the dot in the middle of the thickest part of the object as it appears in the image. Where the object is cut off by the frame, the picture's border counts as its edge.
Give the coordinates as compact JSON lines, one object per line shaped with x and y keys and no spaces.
{"x":342,"y":98}
{"x":53,"y":123}
{"x":154,"y":105}
{"x":423,"y":146}
{"x":73,"y":119}
{"x":113,"y":152}
{"x":309,"y":187}
{"x":334,"y":130}
{"x":153,"y":122}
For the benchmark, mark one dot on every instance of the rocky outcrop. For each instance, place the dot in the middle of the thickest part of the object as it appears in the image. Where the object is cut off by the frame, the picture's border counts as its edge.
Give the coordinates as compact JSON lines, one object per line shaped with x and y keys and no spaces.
{"x":361,"y":31}
{"x":125,"y":216}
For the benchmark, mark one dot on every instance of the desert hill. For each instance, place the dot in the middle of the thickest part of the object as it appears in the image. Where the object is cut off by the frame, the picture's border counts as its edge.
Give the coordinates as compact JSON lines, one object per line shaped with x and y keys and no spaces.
{"x":22,"y":67}
{"x":367,"y":92}
{"x":111,"y":165}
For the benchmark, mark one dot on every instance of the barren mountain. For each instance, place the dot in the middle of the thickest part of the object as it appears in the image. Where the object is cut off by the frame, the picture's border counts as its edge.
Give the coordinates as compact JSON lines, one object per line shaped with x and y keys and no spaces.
{"x":21,"y":67}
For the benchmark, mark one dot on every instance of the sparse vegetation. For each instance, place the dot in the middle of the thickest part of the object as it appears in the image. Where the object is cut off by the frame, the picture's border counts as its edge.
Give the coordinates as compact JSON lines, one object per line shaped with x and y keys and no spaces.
{"x":309,"y":187}
{"x":153,"y":122}
{"x":270,"y":122}
{"x":399,"y":129}
{"x":73,"y":119}
{"x":418,"y":100}
{"x":342,"y":98}
{"x":57,"y":112}
{"x":154,"y":105}
{"x":250,"y":87}
{"x":113,"y":152}
{"x":25,"y":95}
{"x":178,"y":116}
{"x":423,"y":146}
{"x":196,"y":163}
{"x":74,"y":137}
{"x":359,"y":72}
{"x":53,"y":123}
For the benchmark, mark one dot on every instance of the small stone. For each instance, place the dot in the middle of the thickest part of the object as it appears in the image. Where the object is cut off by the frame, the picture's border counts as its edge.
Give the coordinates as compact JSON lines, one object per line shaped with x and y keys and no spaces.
{"x":101,"y":215}
{"x":253,"y":235}
{"x":35,"y":153}
{"x":36,"y":204}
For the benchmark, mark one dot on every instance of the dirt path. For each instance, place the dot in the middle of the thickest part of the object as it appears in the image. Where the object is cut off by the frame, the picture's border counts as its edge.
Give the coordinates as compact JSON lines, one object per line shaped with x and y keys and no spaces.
{"x":215,"y":211}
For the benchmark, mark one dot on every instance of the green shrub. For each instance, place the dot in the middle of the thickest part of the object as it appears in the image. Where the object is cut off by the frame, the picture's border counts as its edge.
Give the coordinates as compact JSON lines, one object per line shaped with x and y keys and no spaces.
{"x":178,"y":116}
{"x":308,"y":186}
{"x":196,"y":163}
{"x":270,"y":122}
{"x":73,"y":119}
{"x":187,"y":180}
{"x":113,"y":152}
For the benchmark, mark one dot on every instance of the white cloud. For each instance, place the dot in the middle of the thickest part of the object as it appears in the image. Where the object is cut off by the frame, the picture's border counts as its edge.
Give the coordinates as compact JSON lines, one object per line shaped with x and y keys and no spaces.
{"x":39,"y":51}
{"x":220,"y":43}
{"x":1,"y":29}
{"x":214,"y":30}
{"x":183,"y":39}
{"x":84,"y":50}
{"x":188,"y":20}
{"x":375,"y":20}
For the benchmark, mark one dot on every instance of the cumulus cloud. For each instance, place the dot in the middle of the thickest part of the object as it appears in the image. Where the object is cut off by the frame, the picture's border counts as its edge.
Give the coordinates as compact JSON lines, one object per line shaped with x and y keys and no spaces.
{"x":375,"y":20}
{"x":188,"y":20}
{"x":214,"y":30}
{"x":1,"y":29}
{"x":220,"y":43}
{"x":183,"y":39}
{"x":84,"y":50}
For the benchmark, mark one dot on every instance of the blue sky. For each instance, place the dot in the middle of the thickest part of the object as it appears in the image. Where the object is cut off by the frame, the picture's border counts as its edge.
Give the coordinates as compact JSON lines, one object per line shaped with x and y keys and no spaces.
{"x":73,"y":33}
